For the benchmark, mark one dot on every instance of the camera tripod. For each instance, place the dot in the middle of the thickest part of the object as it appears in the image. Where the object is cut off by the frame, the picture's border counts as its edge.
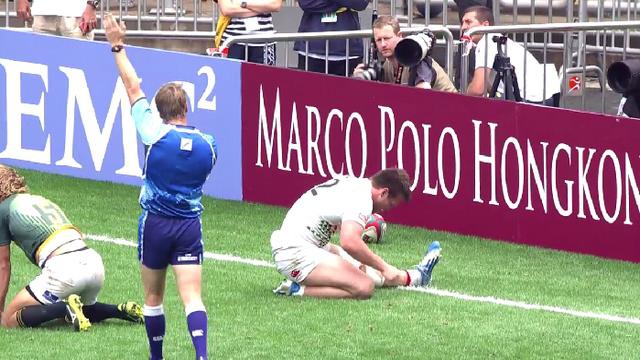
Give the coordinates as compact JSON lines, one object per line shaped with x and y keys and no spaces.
{"x":505,"y":73}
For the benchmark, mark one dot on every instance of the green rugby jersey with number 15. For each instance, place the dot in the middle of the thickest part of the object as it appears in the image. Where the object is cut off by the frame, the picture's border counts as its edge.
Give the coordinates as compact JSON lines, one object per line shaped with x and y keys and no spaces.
{"x":29,"y":220}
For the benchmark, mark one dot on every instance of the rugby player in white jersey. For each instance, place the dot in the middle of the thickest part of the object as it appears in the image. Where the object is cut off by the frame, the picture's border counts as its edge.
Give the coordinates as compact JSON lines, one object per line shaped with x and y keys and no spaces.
{"x":72,"y":273}
{"x":314,"y":267}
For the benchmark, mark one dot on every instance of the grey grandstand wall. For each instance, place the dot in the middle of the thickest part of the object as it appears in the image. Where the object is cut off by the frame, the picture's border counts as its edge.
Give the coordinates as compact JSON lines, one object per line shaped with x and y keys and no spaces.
{"x":520,"y":173}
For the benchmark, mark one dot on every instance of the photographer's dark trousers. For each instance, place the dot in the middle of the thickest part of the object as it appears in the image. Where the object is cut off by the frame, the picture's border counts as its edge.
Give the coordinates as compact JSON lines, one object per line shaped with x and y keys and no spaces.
{"x":255,"y":54}
{"x":336,"y":67}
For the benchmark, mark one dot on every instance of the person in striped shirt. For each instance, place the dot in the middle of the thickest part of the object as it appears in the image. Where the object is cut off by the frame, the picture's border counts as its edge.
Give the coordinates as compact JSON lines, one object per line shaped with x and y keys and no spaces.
{"x":250,"y":17}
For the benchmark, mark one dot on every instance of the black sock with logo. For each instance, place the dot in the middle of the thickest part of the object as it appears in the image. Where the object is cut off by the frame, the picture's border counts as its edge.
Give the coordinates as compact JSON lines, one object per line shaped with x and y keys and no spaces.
{"x":36,"y":315}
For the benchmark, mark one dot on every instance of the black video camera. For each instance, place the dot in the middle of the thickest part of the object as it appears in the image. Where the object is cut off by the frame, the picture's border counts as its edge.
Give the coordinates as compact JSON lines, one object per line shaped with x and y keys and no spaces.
{"x":501,"y":61}
{"x":505,"y":73}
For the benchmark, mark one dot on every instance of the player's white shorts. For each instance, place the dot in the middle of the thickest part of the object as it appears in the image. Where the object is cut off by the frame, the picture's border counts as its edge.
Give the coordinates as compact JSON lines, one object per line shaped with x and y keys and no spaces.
{"x":295,"y":258}
{"x":80,"y":273}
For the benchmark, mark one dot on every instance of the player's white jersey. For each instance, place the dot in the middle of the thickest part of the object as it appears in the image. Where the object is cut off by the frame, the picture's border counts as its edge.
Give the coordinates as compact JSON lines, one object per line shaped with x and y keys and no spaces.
{"x":318,"y":213}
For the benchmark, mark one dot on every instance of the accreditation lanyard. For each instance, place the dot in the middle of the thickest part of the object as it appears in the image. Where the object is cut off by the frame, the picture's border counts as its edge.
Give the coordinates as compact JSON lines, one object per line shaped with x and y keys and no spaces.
{"x":398,"y":74}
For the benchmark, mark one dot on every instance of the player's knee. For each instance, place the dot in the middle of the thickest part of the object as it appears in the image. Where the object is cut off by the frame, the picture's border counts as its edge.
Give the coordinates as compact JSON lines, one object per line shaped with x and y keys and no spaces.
{"x":364,"y":290}
{"x":5,"y":320}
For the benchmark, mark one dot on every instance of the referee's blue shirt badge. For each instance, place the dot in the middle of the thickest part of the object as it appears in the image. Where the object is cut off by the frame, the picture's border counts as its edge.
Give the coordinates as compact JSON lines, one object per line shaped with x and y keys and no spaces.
{"x":186,"y":144}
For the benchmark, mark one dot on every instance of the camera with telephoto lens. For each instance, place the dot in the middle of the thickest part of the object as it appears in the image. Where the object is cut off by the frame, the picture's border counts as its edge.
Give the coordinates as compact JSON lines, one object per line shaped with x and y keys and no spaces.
{"x":624,"y":78}
{"x":414,"y":48}
{"x":368,"y":73}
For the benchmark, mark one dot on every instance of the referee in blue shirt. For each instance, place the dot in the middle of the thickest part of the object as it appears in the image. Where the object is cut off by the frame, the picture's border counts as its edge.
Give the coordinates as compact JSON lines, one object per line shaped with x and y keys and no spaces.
{"x":179,"y":158}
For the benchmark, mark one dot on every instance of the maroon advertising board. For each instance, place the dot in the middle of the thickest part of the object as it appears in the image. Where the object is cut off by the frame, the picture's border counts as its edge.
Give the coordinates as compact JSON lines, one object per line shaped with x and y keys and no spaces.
{"x":521,"y":173}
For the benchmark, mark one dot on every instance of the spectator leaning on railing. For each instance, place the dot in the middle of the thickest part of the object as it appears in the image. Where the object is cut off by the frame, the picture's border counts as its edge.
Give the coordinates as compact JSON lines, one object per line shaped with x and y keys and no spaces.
{"x":248,"y":17}
{"x":427,"y":74}
{"x":70,"y":18}
{"x":531,"y":77}
{"x":328,"y":15}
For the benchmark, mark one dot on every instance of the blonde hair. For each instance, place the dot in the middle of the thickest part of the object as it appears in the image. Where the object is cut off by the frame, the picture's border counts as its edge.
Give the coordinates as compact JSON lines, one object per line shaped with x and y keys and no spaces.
{"x":171,"y":101}
{"x":11,"y":183}
{"x":384,"y":20}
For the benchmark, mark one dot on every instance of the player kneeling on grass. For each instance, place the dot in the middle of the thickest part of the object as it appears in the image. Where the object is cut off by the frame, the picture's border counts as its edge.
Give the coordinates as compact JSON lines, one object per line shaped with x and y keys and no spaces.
{"x":72,"y":273}
{"x":315,"y":267}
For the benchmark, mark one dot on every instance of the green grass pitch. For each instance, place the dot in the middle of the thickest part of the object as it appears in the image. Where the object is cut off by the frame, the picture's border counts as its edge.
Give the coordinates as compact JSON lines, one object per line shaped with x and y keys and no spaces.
{"x":246,"y":321}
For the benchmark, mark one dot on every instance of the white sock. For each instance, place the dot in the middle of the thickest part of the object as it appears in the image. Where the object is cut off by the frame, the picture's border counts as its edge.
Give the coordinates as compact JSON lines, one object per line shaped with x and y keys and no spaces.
{"x":194,"y":306}
{"x":148,"y":310}
{"x":415,"y":277}
{"x":300,"y":291}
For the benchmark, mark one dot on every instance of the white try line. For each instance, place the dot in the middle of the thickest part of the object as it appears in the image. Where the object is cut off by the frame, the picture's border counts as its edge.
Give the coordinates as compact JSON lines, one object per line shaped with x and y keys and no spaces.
{"x":432,"y":291}
{"x":208,"y":255}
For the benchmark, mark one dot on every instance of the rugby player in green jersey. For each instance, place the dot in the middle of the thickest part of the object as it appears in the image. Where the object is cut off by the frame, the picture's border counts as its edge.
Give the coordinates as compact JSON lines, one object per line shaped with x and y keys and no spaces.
{"x":72,"y":273}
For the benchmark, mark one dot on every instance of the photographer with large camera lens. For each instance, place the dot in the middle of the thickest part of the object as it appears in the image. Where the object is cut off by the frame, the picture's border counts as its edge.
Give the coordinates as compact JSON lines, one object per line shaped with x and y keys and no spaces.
{"x":425,"y":73}
{"x":623,"y":77}
{"x":514,"y":54}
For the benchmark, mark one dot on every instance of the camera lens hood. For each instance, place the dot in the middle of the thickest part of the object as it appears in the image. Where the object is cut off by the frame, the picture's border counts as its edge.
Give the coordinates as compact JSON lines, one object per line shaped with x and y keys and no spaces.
{"x":624,"y":76}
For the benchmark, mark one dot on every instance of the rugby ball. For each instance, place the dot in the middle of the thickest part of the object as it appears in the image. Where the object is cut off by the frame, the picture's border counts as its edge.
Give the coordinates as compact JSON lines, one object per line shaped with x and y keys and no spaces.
{"x":374,"y":229}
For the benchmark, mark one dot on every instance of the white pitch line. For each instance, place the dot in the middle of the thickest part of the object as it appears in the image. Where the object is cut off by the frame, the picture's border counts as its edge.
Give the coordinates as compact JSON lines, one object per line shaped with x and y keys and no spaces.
{"x":208,"y":255}
{"x":523,"y":305}
{"x":432,"y":291}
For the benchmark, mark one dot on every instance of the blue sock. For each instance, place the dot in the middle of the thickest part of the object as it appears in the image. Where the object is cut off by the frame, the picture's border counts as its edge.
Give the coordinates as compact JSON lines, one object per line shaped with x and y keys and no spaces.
{"x":197,"y":324}
{"x":154,"y":322}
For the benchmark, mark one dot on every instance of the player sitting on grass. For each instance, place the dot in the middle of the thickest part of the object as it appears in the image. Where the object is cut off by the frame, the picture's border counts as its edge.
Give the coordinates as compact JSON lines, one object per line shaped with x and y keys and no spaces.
{"x":72,"y":273}
{"x":315,"y":267}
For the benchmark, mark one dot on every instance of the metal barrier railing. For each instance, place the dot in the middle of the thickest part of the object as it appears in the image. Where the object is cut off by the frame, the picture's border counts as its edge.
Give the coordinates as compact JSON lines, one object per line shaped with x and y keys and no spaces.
{"x":355,"y":34}
{"x":164,"y":12}
{"x":436,"y":12}
{"x":575,"y":46}
{"x":601,"y":29}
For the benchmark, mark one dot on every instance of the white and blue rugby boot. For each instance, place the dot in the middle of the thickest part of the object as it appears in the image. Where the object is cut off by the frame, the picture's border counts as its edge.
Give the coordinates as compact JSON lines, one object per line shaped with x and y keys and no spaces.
{"x":430,"y":260}
{"x":287,"y":287}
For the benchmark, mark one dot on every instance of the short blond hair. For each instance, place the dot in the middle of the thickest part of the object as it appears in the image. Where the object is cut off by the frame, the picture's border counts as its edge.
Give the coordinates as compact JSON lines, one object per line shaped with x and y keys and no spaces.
{"x":384,"y":20}
{"x":171,"y":101}
{"x":11,"y":183}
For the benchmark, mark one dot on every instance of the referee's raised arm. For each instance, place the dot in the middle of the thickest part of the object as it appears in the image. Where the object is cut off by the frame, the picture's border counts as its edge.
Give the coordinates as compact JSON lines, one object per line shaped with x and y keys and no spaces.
{"x":115,"y":33}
